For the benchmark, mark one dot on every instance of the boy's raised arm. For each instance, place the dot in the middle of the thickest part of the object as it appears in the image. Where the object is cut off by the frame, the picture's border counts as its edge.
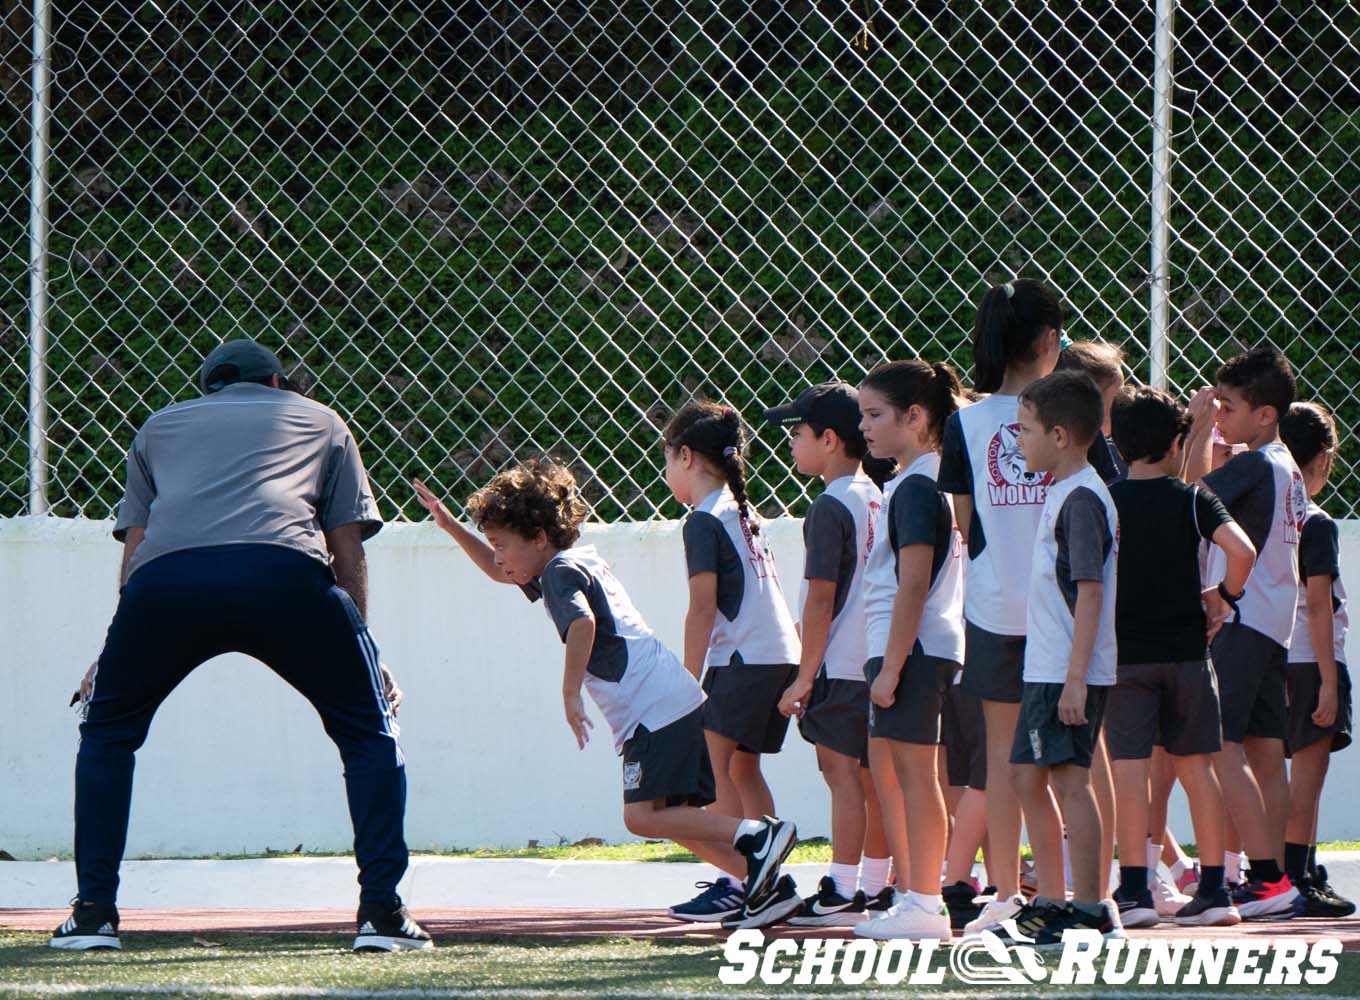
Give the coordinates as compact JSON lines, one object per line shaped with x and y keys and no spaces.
{"x":476,"y":548}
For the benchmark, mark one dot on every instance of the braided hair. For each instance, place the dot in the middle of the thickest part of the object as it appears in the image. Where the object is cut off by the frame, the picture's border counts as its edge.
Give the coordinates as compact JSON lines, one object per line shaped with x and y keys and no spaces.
{"x":715,"y":432}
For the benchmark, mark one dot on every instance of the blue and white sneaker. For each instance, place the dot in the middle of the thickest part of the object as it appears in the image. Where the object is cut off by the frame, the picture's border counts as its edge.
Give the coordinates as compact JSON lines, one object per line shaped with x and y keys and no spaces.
{"x":718,"y":901}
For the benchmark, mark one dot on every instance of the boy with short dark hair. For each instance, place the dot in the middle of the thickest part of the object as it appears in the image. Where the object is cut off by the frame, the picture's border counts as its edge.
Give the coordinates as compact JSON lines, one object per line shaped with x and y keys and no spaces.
{"x":1166,"y":687}
{"x":1069,"y":656}
{"x":1263,"y":490}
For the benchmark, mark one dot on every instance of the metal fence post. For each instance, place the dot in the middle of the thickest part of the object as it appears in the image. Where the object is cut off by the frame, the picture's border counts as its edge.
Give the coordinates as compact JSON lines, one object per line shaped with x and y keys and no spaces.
{"x":1159,"y":278}
{"x":38,"y":259}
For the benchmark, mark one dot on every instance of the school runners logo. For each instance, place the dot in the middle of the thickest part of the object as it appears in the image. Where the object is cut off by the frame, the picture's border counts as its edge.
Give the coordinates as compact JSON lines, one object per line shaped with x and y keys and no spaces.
{"x":1295,"y":508}
{"x":1083,"y":958}
{"x":1009,"y":484}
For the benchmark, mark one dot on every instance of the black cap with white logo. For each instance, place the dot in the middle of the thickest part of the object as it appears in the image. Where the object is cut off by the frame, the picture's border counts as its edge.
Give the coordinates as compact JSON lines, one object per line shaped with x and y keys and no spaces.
{"x":829,"y":405}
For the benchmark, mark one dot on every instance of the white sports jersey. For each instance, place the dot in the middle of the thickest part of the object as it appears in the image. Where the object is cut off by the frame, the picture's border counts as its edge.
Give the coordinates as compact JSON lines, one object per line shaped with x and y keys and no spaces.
{"x":1263,"y":491}
{"x":632,"y":677}
{"x":917,"y":513}
{"x":838,"y":533}
{"x":753,"y":624}
{"x":981,"y":457}
{"x":1078,"y":540}
{"x":1319,"y":555}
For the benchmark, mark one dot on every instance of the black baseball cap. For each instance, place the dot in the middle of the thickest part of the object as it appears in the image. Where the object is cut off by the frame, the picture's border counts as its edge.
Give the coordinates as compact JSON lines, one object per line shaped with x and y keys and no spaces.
{"x":251,"y":361}
{"x":833,"y":405}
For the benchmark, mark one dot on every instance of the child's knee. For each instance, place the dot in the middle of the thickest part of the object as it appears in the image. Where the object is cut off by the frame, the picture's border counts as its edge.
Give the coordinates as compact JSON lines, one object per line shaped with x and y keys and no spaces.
{"x":638,"y":819}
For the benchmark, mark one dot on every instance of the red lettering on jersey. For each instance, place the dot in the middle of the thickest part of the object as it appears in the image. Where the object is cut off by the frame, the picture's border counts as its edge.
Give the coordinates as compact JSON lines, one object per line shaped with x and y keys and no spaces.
{"x":1010,"y":484}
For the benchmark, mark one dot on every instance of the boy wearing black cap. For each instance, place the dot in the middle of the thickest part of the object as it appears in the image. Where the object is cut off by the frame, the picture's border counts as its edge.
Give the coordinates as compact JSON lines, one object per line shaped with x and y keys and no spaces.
{"x":830,"y":695}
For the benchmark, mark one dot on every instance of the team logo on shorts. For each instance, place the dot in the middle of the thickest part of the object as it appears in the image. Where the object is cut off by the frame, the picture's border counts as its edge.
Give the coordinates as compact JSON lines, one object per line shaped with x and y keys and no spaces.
{"x":632,"y":776}
{"x":1010,"y":484}
{"x":1036,"y":744}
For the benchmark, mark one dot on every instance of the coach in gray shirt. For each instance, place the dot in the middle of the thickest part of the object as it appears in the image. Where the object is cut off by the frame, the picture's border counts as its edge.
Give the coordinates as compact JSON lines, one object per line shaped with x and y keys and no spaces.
{"x":243,"y":526}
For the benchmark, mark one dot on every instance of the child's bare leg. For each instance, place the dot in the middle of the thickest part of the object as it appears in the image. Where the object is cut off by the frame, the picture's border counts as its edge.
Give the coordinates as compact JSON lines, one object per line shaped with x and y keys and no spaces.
{"x":1307,"y":772}
{"x":1196,"y":775}
{"x":875,"y":837}
{"x":721,"y":750}
{"x":927,"y":821}
{"x":841,"y":774}
{"x":1162,"y":778}
{"x":893,"y":808}
{"x":970,"y":829}
{"x":1102,"y":784}
{"x":1003,"y":805}
{"x":707,"y":834}
{"x":1243,"y":801}
{"x":1044,"y":825}
{"x":1073,"y":785}
{"x":1266,"y":757}
{"x":1132,"y":790}
{"x":756,"y":800}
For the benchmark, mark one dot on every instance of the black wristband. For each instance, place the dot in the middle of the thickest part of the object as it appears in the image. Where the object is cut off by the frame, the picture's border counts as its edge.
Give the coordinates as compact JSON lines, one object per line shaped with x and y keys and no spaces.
{"x":1228,"y":595}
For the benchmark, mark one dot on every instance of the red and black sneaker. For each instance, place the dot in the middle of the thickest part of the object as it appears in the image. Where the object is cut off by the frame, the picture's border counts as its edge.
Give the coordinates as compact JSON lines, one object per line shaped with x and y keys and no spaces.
{"x":1257,"y":899}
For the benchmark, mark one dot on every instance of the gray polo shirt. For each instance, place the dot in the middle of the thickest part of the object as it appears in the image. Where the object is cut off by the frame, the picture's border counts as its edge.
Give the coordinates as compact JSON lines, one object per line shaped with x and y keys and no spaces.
{"x":247,"y":465}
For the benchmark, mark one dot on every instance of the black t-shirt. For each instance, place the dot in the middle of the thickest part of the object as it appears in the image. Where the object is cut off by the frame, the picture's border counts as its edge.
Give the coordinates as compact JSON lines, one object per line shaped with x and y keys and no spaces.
{"x":1158,"y":614}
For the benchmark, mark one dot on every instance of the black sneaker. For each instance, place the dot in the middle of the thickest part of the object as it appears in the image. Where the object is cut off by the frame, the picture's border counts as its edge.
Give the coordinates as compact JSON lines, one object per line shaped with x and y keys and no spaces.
{"x":91,"y":925}
{"x":828,"y":908}
{"x":777,"y":905}
{"x":1317,"y":901}
{"x":1334,"y":898}
{"x":717,"y":902}
{"x":882,"y":902}
{"x":1070,"y":917}
{"x":1213,"y":910}
{"x":381,"y":929}
{"x":1029,"y":923}
{"x":765,"y":852}
{"x":1136,"y":910}
{"x":958,"y":900}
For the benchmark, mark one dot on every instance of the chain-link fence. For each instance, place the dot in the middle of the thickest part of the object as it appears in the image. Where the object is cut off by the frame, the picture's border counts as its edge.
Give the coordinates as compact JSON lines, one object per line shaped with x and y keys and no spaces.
{"x":484,"y":230}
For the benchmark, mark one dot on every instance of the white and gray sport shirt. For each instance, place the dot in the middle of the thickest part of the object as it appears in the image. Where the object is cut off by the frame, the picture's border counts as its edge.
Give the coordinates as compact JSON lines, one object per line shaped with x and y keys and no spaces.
{"x":631,"y":676}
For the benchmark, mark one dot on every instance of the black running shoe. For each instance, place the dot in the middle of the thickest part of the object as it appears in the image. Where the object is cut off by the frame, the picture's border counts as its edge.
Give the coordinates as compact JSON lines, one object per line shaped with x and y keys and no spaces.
{"x":1029,"y":923}
{"x":1215,"y":909}
{"x":1136,"y":910}
{"x":828,"y":908}
{"x":882,"y":902}
{"x":1334,"y":898}
{"x":779,"y":904}
{"x":1070,"y":917}
{"x":91,"y":925}
{"x":765,"y":852}
{"x":958,"y":900}
{"x":1318,"y":902}
{"x":383,"y":929}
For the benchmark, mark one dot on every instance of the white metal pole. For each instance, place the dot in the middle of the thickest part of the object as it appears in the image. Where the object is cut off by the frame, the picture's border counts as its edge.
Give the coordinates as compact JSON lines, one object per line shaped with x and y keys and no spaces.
{"x":1159,"y":307}
{"x":38,"y":259}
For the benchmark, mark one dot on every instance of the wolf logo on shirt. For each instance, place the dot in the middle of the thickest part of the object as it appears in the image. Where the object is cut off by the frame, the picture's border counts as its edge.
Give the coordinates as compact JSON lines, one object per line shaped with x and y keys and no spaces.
{"x":1010,"y":483}
{"x":1295,"y":508}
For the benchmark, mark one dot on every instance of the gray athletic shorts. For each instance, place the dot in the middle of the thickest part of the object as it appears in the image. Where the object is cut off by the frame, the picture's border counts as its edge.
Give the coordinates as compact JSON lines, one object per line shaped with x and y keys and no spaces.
{"x":1250,"y":668}
{"x":1040,"y":736}
{"x":915,"y":716}
{"x":671,"y":764}
{"x":964,"y":733}
{"x":837,"y":716}
{"x":1304,"y":682}
{"x":743,"y":704}
{"x":993,"y":664}
{"x":1174,"y":705}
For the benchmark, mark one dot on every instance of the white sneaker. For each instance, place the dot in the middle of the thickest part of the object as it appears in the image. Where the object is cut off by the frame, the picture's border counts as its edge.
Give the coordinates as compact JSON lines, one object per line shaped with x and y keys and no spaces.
{"x":908,"y":921}
{"x":992,"y":914}
{"x":1166,"y":897}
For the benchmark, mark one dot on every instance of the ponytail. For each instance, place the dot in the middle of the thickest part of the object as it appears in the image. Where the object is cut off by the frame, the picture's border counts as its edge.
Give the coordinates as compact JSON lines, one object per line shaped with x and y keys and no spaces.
{"x":715,"y":432}
{"x":1010,"y":320}
{"x":933,"y":387}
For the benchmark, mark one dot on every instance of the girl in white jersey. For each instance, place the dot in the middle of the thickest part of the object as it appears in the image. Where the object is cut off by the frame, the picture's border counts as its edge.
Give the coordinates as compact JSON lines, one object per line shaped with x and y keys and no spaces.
{"x":914,"y":611}
{"x":738,"y":625}
{"x":531,"y":517}
{"x":998,"y":504}
{"x":1319,"y":684}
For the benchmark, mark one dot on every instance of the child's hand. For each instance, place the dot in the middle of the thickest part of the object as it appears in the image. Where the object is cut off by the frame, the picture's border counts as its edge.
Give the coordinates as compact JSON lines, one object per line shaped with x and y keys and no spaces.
{"x":83,"y":692}
{"x":1216,"y":612}
{"x":795,"y":699}
{"x":578,"y":720}
{"x":1204,"y":404}
{"x":1325,"y":713}
{"x":1072,"y":704}
{"x":883,"y":692}
{"x":434,"y":505}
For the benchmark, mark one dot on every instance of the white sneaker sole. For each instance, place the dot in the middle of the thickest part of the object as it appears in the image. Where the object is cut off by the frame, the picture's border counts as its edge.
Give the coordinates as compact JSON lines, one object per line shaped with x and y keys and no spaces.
{"x":828,"y":920}
{"x":1141,"y":917}
{"x":377,"y":942}
{"x":884,"y":930}
{"x":1218,"y":916}
{"x":711,"y":918}
{"x":1264,"y":909}
{"x":776,"y":913}
{"x":86,"y":942}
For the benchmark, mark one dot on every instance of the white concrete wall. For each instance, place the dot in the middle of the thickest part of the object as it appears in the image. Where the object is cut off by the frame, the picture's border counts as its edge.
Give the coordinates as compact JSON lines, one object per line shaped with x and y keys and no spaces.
{"x":237,"y":762}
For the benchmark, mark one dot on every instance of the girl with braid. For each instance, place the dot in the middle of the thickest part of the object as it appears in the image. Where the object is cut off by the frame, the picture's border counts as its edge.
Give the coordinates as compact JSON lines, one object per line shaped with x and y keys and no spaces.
{"x":738,"y":625}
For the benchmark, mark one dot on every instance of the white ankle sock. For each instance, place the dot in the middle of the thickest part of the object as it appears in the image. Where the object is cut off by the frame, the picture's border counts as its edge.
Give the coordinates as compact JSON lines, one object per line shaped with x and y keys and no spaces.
{"x":1154,"y":858}
{"x":873,"y":874}
{"x":920,"y":900}
{"x":747,"y":826}
{"x":1232,"y":866}
{"x":845,"y":877}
